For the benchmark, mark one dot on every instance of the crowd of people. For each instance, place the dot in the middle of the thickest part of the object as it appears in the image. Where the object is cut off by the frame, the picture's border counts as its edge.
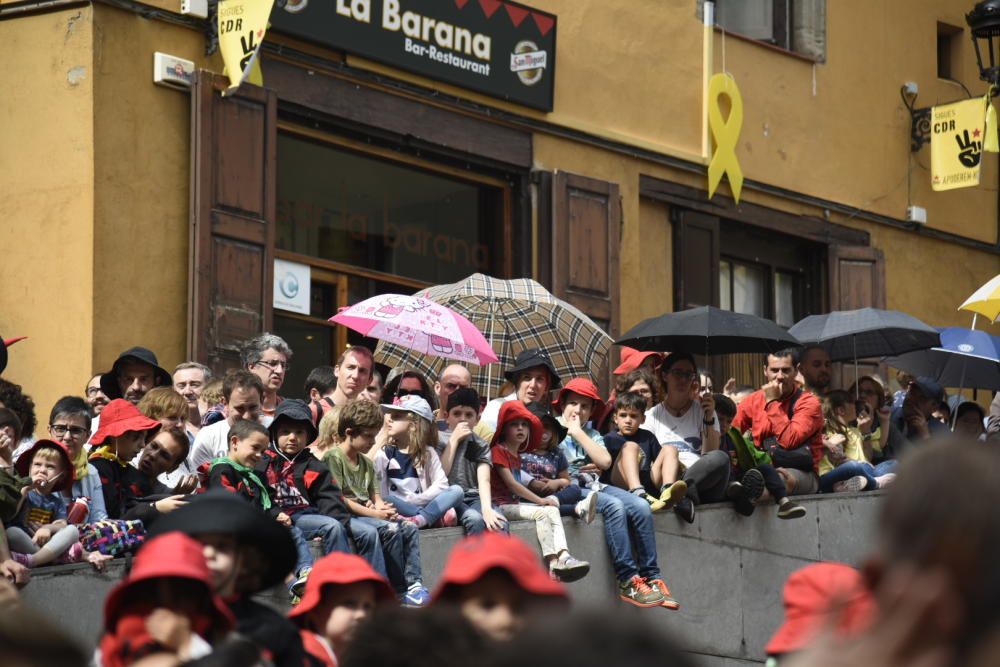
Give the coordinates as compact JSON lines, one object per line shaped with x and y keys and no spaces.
{"x":228,"y":484}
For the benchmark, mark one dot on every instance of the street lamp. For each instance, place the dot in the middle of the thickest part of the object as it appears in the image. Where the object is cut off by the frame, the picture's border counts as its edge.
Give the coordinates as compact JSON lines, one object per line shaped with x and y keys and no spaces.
{"x":984,"y":21}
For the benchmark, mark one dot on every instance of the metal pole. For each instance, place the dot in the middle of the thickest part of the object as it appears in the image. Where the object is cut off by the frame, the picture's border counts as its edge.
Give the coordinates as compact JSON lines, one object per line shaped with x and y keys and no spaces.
{"x":961,"y":383}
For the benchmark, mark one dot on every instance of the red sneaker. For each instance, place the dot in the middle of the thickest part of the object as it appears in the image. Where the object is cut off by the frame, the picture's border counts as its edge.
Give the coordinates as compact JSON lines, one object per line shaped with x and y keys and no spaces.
{"x":668,"y":601}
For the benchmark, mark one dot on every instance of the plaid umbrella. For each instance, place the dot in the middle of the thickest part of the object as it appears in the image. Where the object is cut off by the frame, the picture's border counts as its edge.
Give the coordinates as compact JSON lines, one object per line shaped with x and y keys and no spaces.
{"x":514,"y":315}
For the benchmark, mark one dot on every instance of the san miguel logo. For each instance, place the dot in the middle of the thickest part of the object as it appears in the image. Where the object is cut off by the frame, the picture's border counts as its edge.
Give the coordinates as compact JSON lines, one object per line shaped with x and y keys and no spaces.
{"x":497,"y":47}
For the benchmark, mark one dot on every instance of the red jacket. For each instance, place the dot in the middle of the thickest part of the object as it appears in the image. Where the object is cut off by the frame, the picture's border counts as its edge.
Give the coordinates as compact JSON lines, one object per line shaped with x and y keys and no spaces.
{"x":765,"y":419}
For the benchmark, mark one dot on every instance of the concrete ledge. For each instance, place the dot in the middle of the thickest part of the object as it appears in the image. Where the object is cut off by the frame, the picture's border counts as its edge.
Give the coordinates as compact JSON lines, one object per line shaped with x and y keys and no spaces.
{"x":726,"y":571}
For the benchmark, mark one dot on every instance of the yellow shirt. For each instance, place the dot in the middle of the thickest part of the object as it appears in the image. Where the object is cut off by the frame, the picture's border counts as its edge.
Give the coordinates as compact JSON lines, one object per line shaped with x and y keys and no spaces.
{"x":852,"y":449}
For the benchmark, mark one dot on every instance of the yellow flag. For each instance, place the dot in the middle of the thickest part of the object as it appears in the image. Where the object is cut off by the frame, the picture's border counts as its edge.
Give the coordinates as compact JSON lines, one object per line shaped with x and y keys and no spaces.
{"x":957,"y":143}
{"x":242,"y":24}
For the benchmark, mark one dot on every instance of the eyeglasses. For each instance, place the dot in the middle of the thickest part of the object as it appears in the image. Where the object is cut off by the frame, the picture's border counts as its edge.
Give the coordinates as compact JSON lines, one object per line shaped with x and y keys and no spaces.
{"x":274,"y":364}
{"x":452,"y":386}
{"x":59,"y":430}
{"x":93,"y":391}
{"x":409,"y":392}
{"x":683,"y":375}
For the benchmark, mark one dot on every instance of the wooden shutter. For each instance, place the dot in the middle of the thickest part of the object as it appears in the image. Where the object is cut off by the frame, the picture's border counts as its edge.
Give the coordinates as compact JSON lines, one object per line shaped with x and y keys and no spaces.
{"x":232,"y":218}
{"x":857,"y":280}
{"x":587,"y":215}
{"x":696,"y":260}
{"x":585,"y":247}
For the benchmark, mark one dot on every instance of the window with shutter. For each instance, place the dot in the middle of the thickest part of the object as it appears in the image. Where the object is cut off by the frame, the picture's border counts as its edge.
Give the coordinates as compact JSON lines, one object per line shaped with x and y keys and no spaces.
{"x":798,"y":26}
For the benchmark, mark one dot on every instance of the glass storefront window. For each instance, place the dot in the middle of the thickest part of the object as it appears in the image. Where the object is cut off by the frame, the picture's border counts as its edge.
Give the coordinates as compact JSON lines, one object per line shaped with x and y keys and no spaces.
{"x":396,"y":218}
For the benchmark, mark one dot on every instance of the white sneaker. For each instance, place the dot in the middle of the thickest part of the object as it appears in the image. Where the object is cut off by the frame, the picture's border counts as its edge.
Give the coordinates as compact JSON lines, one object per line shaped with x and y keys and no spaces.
{"x":586,"y":508}
{"x":885,"y":480}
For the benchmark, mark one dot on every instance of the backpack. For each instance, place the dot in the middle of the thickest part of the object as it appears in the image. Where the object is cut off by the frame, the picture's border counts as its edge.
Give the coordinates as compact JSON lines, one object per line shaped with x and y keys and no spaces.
{"x":799,"y":458}
{"x":318,"y":409}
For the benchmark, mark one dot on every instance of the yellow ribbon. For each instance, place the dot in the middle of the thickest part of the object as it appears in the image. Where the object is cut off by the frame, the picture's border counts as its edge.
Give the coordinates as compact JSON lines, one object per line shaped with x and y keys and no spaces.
{"x":725,"y":134}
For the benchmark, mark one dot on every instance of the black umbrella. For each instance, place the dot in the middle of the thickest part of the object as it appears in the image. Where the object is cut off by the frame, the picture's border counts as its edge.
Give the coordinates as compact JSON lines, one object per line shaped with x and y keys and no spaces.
{"x":864,"y":333}
{"x":707,"y":329}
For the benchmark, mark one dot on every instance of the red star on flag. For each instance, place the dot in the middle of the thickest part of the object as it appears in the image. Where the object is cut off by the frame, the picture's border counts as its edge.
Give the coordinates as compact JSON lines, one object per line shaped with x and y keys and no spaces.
{"x":975,"y":132}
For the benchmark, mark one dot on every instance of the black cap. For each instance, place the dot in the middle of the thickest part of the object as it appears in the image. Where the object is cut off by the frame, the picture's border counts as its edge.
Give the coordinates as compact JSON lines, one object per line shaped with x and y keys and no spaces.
{"x":548,"y":419}
{"x":464,"y":396}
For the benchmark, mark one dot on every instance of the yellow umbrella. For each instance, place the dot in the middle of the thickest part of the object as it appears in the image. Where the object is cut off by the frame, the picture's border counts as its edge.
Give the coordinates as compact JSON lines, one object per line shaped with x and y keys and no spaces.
{"x":985,"y":301}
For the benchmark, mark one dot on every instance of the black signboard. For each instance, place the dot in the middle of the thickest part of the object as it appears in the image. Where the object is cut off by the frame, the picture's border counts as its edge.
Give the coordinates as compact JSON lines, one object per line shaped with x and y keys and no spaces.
{"x":497,"y":47}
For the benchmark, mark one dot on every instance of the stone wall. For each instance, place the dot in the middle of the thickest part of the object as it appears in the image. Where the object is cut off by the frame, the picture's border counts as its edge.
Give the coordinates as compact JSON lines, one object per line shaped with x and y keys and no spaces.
{"x":725,"y":570}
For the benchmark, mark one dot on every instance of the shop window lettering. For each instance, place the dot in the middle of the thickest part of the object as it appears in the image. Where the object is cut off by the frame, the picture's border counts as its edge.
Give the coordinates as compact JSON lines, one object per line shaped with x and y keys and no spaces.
{"x":413,"y":238}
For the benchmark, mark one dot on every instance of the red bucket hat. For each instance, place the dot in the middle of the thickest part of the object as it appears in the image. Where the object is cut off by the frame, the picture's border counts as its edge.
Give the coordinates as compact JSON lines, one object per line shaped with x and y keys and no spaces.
{"x":808,"y":594}
{"x":474,"y":556}
{"x":338,"y":568}
{"x":172,"y":555}
{"x":633,"y":358}
{"x":584,"y":387}
{"x":512,"y":410}
{"x":118,"y":417}
{"x":23,"y":464}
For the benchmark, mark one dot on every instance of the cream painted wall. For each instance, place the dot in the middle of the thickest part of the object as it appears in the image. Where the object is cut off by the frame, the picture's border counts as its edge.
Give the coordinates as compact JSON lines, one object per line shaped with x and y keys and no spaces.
{"x":142,"y":167}
{"x":46,"y":212}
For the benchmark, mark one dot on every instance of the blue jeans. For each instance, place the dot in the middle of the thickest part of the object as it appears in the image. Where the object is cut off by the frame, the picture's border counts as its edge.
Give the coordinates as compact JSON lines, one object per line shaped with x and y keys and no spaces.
{"x":435,"y":509}
{"x":470,"y":515}
{"x":850,"y":469}
{"x":568,"y":498}
{"x":628,"y":520}
{"x":304,"y":556}
{"x":312,"y":524}
{"x":400,"y":543}
{"x":368,"y":545}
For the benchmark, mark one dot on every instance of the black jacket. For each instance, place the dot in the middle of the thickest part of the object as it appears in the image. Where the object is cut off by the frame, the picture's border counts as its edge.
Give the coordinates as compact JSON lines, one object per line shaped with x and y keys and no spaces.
{"x":313,"y":480}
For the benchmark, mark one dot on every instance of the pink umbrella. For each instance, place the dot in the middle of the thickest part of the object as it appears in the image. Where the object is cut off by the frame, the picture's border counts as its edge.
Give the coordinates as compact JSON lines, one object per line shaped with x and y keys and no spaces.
{"x":418,"y":324}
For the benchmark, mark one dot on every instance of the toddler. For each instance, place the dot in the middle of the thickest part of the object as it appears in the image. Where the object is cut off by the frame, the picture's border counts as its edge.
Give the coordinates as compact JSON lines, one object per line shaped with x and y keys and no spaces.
{"x":40,"y":534}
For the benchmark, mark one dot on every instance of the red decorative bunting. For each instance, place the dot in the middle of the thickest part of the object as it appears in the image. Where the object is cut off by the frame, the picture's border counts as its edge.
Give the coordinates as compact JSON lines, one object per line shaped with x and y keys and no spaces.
{"x":461,"y":3}
{"x":543,"y":22}
{"x":517,"y":14}
{"x":490,"y":7}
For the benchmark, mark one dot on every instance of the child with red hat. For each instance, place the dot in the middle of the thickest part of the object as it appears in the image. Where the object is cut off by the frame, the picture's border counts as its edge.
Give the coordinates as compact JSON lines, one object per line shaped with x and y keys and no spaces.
{"x":628,"y":519}
{"x":166,"y":607}
{"x":518,"y":430}
{"x":496,"y":581}
{"x":341,"y":593}
{"x":122,"y":433}
{"x":40,"y":533}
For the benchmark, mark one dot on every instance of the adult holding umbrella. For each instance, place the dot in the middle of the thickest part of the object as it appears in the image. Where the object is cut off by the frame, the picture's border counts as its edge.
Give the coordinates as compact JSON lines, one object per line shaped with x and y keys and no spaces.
{"x":709,"y":330}
{"x":864,"y":333}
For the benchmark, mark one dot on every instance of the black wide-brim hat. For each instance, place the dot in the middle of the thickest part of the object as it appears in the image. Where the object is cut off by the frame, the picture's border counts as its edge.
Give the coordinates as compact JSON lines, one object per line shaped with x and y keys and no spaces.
{"x":531,"y":358}
{"x":548,"y":419}
{"x":224,"y":513}
{"x":109,"y":380}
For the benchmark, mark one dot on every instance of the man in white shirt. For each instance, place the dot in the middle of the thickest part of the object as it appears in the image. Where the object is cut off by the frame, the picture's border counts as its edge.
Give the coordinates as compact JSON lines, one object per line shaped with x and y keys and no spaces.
{"x":686,"y":422}
{"x":242,"y":393}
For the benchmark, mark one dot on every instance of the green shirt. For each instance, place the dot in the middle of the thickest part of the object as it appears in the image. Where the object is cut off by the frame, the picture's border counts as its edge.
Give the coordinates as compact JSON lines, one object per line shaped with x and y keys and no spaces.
{"x":357,"y":481}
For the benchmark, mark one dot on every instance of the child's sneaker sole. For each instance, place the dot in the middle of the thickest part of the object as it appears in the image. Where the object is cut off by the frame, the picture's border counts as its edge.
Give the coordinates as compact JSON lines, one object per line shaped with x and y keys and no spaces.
{"x":793,"y":512}
{"x":673,"y":494}
{"x":587,"y":508}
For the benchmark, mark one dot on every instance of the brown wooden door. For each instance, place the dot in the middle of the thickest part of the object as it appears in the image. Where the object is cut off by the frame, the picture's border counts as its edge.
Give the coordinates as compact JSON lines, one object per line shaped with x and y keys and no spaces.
{"x":585,"y":248}
{"x":233,"y":143}
{"x":857,"y":280}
